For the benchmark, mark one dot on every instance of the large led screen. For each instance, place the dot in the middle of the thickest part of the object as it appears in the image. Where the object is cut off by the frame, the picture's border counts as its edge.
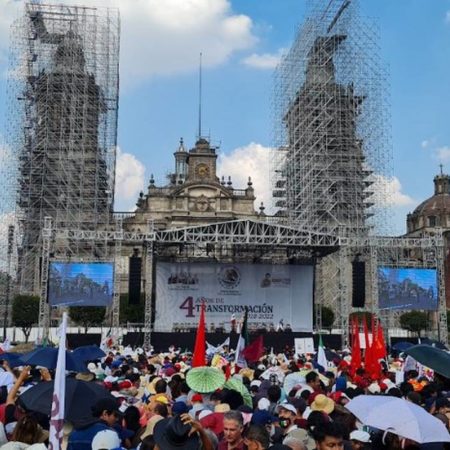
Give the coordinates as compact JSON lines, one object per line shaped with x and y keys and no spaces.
{"x":80,"y":284}
{"x":273,"y":294}
{"x":407,"y":288}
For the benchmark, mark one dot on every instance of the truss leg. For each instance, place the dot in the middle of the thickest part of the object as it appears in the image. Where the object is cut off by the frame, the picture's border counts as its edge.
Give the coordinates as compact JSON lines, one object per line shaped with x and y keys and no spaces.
{"x":44,"y":309}
{"x":149,"y":264}
{"x":116,"y":297}
{"x":442,"y":308}
{"x":343,"y":298}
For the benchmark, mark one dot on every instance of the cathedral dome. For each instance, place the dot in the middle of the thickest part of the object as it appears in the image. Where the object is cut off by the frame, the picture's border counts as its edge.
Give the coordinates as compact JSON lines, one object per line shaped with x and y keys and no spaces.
{"x":434,"y":211}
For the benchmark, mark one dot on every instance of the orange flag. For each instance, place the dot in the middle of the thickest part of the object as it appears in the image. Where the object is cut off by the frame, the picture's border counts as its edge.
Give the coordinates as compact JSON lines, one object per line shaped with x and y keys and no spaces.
{"x":199,"y":356}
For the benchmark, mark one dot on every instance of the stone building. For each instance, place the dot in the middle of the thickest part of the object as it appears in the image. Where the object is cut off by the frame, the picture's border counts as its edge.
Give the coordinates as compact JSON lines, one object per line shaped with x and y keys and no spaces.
{"x":433,"y":214}
{"x":194,"y":194}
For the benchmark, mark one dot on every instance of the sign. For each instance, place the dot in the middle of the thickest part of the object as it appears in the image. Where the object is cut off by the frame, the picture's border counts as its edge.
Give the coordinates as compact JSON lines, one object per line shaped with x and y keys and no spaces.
{"x":303,"y":346}
{"x":273,"y":294}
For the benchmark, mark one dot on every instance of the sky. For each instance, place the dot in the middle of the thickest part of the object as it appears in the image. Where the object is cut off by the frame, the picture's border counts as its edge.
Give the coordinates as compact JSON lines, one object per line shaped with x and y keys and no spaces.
{"x":241,"y":42}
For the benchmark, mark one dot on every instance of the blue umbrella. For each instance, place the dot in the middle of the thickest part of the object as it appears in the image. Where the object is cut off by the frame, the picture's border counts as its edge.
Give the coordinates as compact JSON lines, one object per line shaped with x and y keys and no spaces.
{"x":13,"y":359}
{"x":434,"y":343}
{"x":88,"y":353}
{"x":402,"y":346}
{"x":48,"y":356}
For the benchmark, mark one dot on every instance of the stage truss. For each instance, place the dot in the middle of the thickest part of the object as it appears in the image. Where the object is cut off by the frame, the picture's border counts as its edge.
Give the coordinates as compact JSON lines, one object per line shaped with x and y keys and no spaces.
{"x":375,"y":251}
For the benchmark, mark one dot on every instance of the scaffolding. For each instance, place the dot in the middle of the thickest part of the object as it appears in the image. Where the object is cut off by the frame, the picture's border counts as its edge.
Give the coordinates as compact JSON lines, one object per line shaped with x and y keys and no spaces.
{"x":63,"y":92}
{"x":333,"y":157}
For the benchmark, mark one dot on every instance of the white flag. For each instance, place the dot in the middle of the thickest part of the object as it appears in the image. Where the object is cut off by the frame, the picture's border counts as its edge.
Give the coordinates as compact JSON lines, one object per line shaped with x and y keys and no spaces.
{"x":59,"y":392}
{"x":321,"y":357}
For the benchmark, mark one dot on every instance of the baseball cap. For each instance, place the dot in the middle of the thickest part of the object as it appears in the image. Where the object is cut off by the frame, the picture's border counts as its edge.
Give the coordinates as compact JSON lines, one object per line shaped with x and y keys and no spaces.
{"x":359,"y":435}
{"x":179,"y":408}
{"x":288,"y":407}
{"x":262,"y":417}
{"x":106,"y":439}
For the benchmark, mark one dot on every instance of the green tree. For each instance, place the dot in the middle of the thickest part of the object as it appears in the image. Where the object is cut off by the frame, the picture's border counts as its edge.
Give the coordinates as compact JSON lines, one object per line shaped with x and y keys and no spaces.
{"x":131,"y":313}
{"x":414,"y":321}
{"x":87,"y":316}
{"x":25,"y":312}
{"x":328,"y":317}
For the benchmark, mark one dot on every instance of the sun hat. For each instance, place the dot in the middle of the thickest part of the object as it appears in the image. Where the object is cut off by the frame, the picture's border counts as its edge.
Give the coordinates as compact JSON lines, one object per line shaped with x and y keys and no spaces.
{"x":105,"y":440}
{"x":360,"y":436}
{"x":173,"y":434}
{"x":322,"y":403}
{"x":222,"y":408}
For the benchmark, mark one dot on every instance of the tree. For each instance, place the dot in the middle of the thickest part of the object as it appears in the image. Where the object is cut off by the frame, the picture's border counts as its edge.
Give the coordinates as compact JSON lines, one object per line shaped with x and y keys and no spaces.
{"x":414,"y":321}
{"x":448,"y":320}
{"x":131,"y":313}
{"x":87,"y":316}
{"x":25,"y":312}
{"x":328,"y":317}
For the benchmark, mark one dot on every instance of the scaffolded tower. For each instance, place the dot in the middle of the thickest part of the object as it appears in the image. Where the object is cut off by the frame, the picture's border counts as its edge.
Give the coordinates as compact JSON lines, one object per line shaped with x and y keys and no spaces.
{"x":65,"y":71}
{"x":331,"y":122}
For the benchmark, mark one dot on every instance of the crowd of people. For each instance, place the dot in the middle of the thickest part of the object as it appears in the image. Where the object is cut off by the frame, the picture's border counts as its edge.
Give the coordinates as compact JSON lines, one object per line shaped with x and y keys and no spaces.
{"x":280,"y":402}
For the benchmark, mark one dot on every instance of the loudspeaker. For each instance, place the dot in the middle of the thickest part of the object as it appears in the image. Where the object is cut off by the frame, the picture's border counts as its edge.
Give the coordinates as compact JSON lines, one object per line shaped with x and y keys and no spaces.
{"x":134,"y":280}
{"x":359,"y":284}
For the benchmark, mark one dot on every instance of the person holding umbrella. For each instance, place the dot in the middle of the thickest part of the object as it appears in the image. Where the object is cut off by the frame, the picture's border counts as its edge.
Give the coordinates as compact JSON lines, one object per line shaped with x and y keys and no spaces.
{"x":104,"y":416}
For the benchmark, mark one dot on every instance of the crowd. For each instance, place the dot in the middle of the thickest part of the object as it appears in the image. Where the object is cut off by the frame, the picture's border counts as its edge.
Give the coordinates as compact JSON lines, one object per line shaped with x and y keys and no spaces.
{"x":157,"y":401}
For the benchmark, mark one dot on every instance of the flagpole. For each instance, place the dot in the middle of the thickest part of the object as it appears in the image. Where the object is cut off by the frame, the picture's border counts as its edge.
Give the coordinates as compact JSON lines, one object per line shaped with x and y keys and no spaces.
{"x":59,"y":392}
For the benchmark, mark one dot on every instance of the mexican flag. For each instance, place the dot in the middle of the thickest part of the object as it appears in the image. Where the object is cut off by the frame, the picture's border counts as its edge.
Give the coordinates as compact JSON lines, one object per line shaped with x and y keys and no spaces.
{"x":243,"y":341}
{"x":321,"y":357}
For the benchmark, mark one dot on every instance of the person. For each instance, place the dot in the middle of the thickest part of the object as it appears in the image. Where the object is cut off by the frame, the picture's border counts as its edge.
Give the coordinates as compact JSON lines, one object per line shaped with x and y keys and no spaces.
{"x":313,"y":380}
{"x":328,"y":436}
{"x":294,"y":443}
{"x":287,"y":415}
{"x":181,"y":431}
{"x":257,"y":438}
{"x":359,"y":439}
{"x":106,"y":440}
{"x":26,"y":433}
{"x":104,"y":416}
{"x":233,"y":426}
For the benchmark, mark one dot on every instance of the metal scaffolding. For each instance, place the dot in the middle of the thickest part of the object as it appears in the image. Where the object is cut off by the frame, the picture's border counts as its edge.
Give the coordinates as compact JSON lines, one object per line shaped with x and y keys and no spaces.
{"x":63,"y":128}
{"x":333,"y":159}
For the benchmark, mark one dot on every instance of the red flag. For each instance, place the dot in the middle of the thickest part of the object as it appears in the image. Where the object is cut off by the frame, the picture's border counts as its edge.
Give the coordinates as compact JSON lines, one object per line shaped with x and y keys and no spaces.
{"x":255,"y":350}
{"x":227,"y":372}
{"x":368,"y":351}
{"x":376,"y":351}
{"x":383,"y":352}
{"x":356,"y":348}
{"x":199,"y":357}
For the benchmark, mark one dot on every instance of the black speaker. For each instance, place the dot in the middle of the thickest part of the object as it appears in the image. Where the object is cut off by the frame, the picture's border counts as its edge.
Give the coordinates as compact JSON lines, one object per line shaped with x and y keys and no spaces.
{"x":134,"y":280}
{"x":359,"y":284}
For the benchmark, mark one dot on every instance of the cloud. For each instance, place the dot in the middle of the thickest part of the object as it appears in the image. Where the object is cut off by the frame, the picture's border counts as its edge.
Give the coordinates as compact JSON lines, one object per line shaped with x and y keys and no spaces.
{"x":388,"y":192}
{"x":130,"y":180}
{"x":252,"y":160}
{"x":264,"y":61}
{"x":160,"y":38}
{"x":425,"y":143}
{"x":442,"y":154}
{"x":447,"y":17}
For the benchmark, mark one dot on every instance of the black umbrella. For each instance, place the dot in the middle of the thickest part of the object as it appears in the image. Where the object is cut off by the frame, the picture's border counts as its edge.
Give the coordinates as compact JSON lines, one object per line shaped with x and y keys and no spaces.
{"x":88,"y":353}
{"x":80,"y":397}
{"x":13,"y":359}
{"x":432,"y":357}
{"x":48,"y":357}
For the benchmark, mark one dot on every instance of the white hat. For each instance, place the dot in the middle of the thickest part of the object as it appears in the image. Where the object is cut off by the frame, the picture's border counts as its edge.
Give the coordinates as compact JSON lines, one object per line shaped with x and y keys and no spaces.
{"x":359,"y":435}
{"x":263,"y":403}
{"x":255,"y":383}
{"x":288,"y":407}
{"x":204,"y":413}
{"x":105,"y":439}
{"x":92,"y":367}
{"x":374,"y":388}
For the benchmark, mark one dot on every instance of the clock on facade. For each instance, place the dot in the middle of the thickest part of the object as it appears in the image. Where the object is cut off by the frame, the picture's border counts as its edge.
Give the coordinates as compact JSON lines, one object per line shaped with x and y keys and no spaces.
{"x":202,"y":170}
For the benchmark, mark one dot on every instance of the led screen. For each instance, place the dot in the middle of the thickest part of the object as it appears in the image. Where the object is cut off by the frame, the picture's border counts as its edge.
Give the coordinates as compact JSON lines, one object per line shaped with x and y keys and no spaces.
{"x":80,"y":284}
{"x":407,"y":288}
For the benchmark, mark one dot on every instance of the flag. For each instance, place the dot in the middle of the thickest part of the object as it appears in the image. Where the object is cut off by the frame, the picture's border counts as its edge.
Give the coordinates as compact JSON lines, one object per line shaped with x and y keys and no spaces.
{"x":243,"y":340}
{"x":356,"y":348}
{"x":6,"y":345}
{"x":255,"y":350}
{"x":321,"y":357}
{"x":280,"y":326}
{"x":59,"y":392}
{"x":368,"y":350}
{"x":377,"y":352}
{"x":382,"y":345}
{"x":233,"y":322}
{"x":199,"y":357}
{"x":219,"y":349}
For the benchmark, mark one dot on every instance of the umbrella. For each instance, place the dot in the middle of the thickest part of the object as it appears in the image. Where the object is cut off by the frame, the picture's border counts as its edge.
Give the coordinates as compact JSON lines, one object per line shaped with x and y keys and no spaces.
{"x":88,"y":353}
{"x":80,"y":397}
{"x":274,"y":370}
{"x":236,"y":385}
{"x":205,"y":379}
{"x":13,"y":359}
{"x":432,"y":357}
{"x":331,"y":356}
{"x":48,"y":356}
{"x":398,"y":416}
{"x":434,"y":343}
{"x":402,"y":346}
{"x":292,"y":380}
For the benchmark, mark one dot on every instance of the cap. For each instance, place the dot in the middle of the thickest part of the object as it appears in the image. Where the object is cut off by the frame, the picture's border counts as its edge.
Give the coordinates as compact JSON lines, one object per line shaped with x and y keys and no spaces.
{"x":105,"y":439}
{"x":104,"y":404}
{"x":179,"y":408}
{"x":359,"y":435}
{"x":197,"y":398}
{"x":262,"y":417}
{"x":287,"y":407}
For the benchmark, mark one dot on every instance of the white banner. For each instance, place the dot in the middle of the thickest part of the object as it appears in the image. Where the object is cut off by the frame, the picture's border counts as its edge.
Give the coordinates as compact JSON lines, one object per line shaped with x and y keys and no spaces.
{"x":273,"y":293}
{"x":304,"y":346}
